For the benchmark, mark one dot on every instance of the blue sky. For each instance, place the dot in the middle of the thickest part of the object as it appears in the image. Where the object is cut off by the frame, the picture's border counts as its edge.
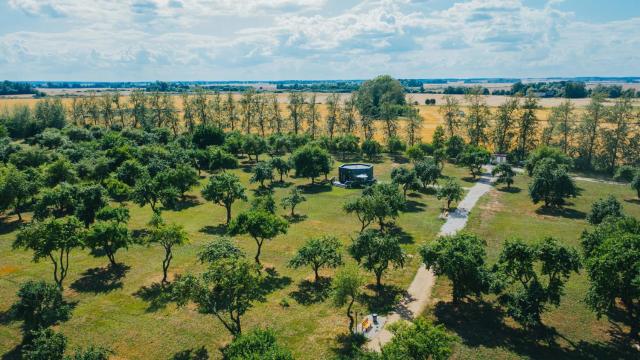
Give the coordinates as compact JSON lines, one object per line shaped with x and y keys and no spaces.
{"x":140,"y":40}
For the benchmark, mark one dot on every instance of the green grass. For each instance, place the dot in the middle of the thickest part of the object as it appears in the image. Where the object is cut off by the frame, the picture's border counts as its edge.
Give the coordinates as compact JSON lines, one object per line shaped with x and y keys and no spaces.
{"x":116,"y":315}
{"x":578,"y":333}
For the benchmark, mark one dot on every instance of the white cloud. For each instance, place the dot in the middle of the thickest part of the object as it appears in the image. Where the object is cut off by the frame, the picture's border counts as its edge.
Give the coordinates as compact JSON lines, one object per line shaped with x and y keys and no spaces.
{"x":179,"y":39}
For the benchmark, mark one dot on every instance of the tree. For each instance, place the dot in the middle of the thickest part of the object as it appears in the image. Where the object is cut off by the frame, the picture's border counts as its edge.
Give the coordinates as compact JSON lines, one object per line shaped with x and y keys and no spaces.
{"x":45,"y":345}
{"x":455,"y":147}
{"x":91,"y":353}
{"x":562,"y":118}
{"x":39,"y":305}
{"x":417,"y":340}
{"x":215,"y":158}
{"x":221,"y":248}
{"x":588,"y":130}
{"x":262,"y":172}
{"x":371,"y":149}
{"x":293,"y":199}
{"x":168,"y":236}
{"x":182,"y":178}
{"x":414,"y":125}
{"x":404,"y":177}
{"x":347,"y":287}
{"x":318,"y":252}
{"x":475,"y":158}
{"x":347,"y":144}
{"x":616,"y":137}
{"x":254,"y":145}
{"x":527,"y":125}
{"x":16,"y":189}
{"x":296,"y":111}
{"x":477,"y":120}
{"x":450,"y":111}
{"x":226,"y":290}
{"x":224,"y":189}
{"x":546,"y":152}
{"x":59,"y":171}
{"x":106,"y":238}
{"x":281,"y":166}
{"x":386,"y":201}
{"x":503,"y":132}
{"x":461,"y":258}
{"x":504,"y":173}
{"x":374,"y":95}
{"x":90,"y":199}
{"x":260,"y":225}
{"x":363,"y":208}
{"x":635,"y":183}
{"x":427,"y":172}
{"x":53,"y":239}
{"x":451,"y":191}
{"x":377,"y":251}
{"x":206,"y":135}
{"x":603,"y":208}
{"x":147,"y":191}
{"x":612,"y":255}
{"x":311,"y":161}
{"x":552,"y":184}
{"x":58,"y":202}
{"x":264,"y":202}
{"x":533,"y":276}
{"x":256,"y":344}
{"x":117,"y":190}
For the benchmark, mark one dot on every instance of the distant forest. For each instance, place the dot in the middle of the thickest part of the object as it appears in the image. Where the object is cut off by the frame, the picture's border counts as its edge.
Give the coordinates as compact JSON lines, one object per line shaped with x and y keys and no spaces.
{"x":17,"y":88}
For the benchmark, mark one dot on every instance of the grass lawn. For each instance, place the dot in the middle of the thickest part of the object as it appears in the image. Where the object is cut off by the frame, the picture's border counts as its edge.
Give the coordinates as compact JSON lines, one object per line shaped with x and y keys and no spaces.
{"x":124,"y":312}
{"x":577,"y":333}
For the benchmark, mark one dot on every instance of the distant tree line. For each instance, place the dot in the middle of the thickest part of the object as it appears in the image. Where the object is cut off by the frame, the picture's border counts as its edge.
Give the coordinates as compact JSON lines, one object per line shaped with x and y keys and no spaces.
{"x":17,"y":88}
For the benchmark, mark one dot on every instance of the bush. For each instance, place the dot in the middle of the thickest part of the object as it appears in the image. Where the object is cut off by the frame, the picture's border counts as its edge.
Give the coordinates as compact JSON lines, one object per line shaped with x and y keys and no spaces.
{"x":603,"y":208}
{"x":625,"y":173}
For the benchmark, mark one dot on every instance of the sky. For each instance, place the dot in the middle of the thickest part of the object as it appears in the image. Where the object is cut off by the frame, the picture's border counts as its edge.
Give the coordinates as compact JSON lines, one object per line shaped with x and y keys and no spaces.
{"x":173,"y":40}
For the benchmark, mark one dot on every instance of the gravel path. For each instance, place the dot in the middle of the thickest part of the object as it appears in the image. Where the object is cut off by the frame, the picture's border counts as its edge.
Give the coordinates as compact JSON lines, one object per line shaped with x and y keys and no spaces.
{"x":582,"y":178}
{"x":419,"y":292}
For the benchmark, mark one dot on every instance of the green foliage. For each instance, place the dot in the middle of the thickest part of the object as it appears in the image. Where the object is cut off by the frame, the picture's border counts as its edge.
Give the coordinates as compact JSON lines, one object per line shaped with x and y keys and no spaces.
{"x":371,"y":149}
{"x":551,"y":183}
{"x":254,"y":145}
{"x":227,"y":290}
{"x":40,"y":305}
{"x":625,"y":173}
{"x":373,"y":94}
{"x":206,"y":135}
{"x":455,"y":146}
{"x":257,"y":344}
{"x":216,"y":158}
{"x":91,"y":353}
{"x":129,"y":172}
{"x":612,"y":255}
{"x":377,"y":251}
{"x":427,"y":172}
{"x":474,"y":157}
{"x":311,"y":161}
{"x":451,"y":191}
{"x":533,"y":276}
{"x":417,"y":340}
{"x":45,"y":345}
{"x":406,"y":178}
{"x":603,"y":208}
{"x":504,"y":173}
{"x":461,"y":258}
{"x":546,"y":152}
{"x":395,"y":145}
{"x":105,"y":238}
{"x":90,"y":199}
{"x":59,"y":171}
{"x":347,"y":288}
{"x":117,"y":190}
{"x":53,"y":239}
{"x":182,"y":178}
{"x":260,"y":225}
{"x":264,"y":202}
{"x":363,"y":207}
{"x":16,"y":189}
{"x":386,"y":201}
{"x":347,"y":144}
{"x":167,"y":236}
{"x":293,"y":199}
{"x":635,"y":183}
{"x":221,"y":248}
{"x":59,"y":201}
{"x":224,"y":189}
{"x":318,"y":252}
{"x":281,"y":166}
{"x":262,"y":172}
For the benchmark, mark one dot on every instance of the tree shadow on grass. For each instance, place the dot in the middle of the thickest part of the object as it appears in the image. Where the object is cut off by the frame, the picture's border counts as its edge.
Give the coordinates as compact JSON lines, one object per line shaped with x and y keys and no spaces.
{"x":310,"y":292}
{"x":200,"y":353}
{"x":281,"y":184}
{"x":273,"y":281}
{"x":295,"y":218}
{"x":6,"y":228}
{"x":188,"y":202}
{"x":413,"y":206}
{"x":511,"y":190}
{"x":633,"y":201}
{"x":384,"y":299}
{"x":101,"y":279}
{"x":348,"y":345}
{"x":561,"y":212}
{"x":481,"y":324}
{"x":14,"y":354}
{"x":315,"y":188}
{"x":218,"y":230}
{"x":157,"y":295}
{"x":405,"y":237}
{"x":399,"y":159}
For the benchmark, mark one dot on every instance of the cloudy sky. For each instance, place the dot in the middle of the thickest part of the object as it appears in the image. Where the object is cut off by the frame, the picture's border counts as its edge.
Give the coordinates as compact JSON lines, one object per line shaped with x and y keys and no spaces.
{"x":140,"y":40}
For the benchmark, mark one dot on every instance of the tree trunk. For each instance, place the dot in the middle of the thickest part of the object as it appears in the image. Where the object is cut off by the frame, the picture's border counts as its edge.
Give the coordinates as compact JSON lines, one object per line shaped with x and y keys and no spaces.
{"x":317,"y":278}
{"x":165,"y":264}
{"x":228,"y":207}
{"x":257,"y":257}
{"x":351,"y":321}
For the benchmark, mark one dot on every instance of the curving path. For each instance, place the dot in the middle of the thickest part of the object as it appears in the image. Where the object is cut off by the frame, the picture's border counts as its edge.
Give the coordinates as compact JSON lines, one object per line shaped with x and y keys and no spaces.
{"x":419,"y":292}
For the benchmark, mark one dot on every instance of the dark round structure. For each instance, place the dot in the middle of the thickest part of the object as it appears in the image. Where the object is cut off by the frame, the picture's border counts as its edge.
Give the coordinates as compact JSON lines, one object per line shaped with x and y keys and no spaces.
{"x":356,"y":174}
